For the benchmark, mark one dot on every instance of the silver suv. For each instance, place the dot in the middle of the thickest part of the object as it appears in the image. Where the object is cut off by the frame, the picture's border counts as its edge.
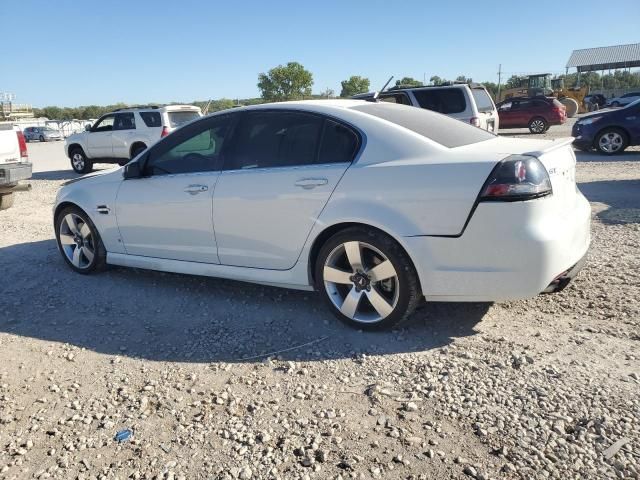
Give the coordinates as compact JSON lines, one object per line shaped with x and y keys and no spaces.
{"x":470,"y":103}
{"x":123,"y":134}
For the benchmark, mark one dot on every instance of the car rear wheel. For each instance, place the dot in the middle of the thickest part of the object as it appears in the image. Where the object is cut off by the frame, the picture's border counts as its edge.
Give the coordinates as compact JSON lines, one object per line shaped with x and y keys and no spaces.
{"x":79,"y":161}
{"x":615,"y":104}
{"x":79,"y":241}
{"x":6,"y":200}
{"x":367,"y":279}
{"x":538,"y":125}
{"x":611,"y":141}
{"x":42,"y":138}
{"x":137,"y":150}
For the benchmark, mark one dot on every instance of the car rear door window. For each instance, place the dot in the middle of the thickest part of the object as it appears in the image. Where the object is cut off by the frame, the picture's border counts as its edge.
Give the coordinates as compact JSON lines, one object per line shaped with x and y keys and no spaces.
{"x":151,"y":119}
{"x":442,"y":100}
{"x":124,"y":121}
{"x":275,"y":139}
{"x":339,"y":143}
{"x":198,"y":149}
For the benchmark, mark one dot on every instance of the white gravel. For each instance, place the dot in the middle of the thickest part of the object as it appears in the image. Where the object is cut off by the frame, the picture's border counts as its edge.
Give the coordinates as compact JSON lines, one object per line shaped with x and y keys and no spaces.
{"x":544,"y":388}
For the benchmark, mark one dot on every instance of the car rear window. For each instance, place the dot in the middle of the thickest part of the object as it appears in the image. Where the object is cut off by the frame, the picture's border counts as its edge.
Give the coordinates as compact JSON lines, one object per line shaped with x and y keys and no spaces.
{"x":177,"y":119}
{"x":444,"y":130}
{"x":151,"y":119}
{"x":483,"y":100}
{"x":442,"y":100}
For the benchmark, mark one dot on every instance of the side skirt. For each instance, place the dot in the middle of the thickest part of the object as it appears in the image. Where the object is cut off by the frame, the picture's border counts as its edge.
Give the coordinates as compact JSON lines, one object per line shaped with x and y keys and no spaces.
{"x":275,"y":278}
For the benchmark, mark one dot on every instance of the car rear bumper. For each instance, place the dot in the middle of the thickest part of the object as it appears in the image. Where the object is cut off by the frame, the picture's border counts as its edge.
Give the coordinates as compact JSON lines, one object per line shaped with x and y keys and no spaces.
{"x":508,"y":251}
{"x":14,"y":172}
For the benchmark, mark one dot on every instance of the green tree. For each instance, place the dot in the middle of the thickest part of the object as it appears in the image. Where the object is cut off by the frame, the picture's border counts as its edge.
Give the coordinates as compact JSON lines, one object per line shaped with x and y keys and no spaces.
{"x":436,"y":80}
{"x":492,"y":88}
{"x":408,"y":82}
{"x":354,"y":85}
{"x":285,"y":82}
{"x":514,"y":81}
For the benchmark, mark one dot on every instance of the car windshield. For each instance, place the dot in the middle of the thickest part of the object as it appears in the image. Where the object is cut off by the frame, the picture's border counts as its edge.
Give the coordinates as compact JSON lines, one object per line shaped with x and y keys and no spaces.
{"x":483,"y":100}
{"x":177,"y":119}
{"x":440,"y":128}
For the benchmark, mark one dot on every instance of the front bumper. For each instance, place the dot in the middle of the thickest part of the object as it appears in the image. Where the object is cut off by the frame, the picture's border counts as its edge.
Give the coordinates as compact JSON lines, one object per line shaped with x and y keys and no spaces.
{"x":507,"y":252}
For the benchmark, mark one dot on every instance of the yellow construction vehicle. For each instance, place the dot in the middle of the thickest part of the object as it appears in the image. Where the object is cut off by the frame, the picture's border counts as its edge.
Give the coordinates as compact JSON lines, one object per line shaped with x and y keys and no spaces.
{"x":543,"y":84}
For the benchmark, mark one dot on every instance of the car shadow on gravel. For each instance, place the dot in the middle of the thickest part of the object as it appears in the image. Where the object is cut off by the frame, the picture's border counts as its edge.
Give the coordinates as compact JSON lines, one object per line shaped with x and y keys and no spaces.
{"x":171,"y":317}
{"x":621,"y":196}
{"x":593,"y":156}
{"x":61,"y":174}
{"x":55,"y":175}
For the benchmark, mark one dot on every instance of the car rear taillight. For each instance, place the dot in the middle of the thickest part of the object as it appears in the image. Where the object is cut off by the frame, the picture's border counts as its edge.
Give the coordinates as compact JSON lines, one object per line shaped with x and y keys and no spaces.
{"x":516,"y":178}
{"x":24,"y":155}
{"x":475,"y":121}
{"x":165,"y":132}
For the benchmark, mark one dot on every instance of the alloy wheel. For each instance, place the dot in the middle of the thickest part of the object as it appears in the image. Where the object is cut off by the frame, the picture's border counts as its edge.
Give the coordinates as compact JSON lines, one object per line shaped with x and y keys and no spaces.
{"x":361,"y":282}
{"x":611,"y":142}
{"x":78,"y":161}
{"x":76,"y":241}
{"x":537,"y":126}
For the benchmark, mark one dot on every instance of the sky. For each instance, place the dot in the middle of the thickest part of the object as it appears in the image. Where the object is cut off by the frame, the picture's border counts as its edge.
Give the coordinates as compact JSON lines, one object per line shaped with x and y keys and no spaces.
{"x":71,"y":53}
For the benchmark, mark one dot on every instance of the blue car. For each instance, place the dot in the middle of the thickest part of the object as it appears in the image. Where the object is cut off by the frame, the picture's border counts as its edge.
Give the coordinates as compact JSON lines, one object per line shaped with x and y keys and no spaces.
{"x":608,"y":131}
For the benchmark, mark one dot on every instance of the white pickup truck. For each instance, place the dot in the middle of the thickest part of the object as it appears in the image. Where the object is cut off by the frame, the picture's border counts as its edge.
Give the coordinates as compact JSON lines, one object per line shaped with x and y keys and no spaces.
{"x":14,"y":164}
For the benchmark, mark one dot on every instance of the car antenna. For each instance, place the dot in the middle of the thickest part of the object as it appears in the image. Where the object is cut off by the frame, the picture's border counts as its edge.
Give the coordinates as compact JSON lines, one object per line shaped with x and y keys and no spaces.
{"x":375,"y":95}
{"x":206,"y":108}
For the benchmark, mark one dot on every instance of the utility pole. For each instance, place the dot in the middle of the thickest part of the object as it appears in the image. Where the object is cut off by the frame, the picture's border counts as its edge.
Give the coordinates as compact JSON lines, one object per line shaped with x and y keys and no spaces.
{"x":499,"y":79}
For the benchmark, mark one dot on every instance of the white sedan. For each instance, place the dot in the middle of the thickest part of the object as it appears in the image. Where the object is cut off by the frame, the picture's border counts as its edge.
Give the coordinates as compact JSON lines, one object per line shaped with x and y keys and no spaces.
{"x":375,"y":205}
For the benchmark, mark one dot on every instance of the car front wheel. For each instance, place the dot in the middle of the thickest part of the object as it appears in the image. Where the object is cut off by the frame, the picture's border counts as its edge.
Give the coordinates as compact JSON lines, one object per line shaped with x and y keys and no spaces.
{"x":79,"y":241}
{"x":367,"y":279}
{"x":611,"y":141}
{"x":79,"y":161}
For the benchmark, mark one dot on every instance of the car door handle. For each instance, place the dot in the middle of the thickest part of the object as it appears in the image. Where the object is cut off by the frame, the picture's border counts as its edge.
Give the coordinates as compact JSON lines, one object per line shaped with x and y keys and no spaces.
{"x":309,"y":183}
{"x":196,"y":189}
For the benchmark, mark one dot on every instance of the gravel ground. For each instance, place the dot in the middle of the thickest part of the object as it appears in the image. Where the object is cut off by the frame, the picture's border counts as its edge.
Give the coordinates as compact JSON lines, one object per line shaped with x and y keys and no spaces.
{"x":543,"y":388}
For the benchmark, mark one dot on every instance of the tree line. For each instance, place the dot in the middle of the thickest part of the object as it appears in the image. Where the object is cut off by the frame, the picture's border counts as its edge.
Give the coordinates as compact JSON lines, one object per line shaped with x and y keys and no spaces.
{"x":294,"y":82}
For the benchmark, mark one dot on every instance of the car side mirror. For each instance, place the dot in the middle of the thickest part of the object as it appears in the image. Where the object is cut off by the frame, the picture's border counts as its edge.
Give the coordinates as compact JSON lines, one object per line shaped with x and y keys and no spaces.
{"x":132,"y":170}
{"x":87,"y":128}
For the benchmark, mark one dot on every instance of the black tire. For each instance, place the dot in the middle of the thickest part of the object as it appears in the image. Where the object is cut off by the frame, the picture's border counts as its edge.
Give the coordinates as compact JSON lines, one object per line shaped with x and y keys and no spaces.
{"x":137,"y":150}
{"x":79,"y":161}
{"x":538,"y":125}
{"x":6,"y":200}
{"x":615,"y":104}
{"x":618,"y":141}
{"x":92,"y":241}
{"x":42,"y":139}
{"x":404,"y":287}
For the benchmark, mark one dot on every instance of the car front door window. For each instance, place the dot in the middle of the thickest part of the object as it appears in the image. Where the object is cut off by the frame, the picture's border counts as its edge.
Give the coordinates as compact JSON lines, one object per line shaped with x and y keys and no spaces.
{"x":198,"y":150}
{"x":105,"y":124}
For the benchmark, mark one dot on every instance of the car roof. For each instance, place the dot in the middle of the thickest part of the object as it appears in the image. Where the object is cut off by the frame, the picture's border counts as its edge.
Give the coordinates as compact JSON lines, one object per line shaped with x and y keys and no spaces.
{"x":153,"y":108}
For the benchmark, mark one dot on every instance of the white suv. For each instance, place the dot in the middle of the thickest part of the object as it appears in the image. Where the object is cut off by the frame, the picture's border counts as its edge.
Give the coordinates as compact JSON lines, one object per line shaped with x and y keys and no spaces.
{"x":470,"y":103}
{"x":119,"y":136}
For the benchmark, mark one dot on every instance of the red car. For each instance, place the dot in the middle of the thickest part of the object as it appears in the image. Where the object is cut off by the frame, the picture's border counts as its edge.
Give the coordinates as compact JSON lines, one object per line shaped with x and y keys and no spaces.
{"x":535,"y":113}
